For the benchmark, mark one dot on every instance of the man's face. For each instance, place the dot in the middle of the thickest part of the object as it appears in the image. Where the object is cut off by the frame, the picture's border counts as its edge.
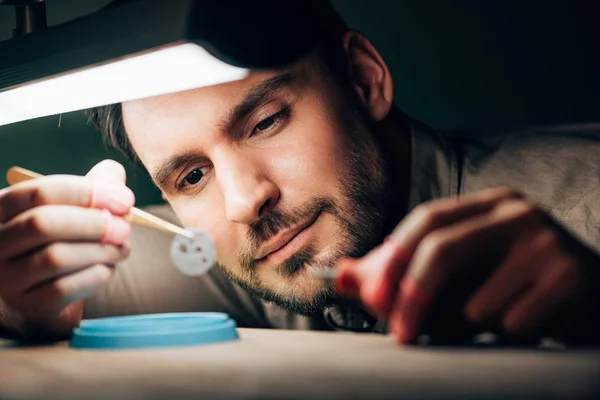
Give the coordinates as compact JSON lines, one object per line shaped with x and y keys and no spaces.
{"x":278,"y":168}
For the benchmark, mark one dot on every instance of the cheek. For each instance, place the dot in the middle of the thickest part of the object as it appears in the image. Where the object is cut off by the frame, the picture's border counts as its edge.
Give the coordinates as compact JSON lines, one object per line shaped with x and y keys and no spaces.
{"x":307,"y":159}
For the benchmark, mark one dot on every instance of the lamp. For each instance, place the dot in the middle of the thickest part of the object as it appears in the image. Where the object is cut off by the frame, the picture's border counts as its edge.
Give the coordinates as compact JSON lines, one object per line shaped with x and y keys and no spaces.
{"x":142,"y":48}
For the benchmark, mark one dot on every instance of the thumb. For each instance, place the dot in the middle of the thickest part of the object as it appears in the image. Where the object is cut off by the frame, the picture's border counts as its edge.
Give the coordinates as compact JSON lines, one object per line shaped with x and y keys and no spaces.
{"x":108,"y":182}
{"x":349,"y":279}
{"x":109,"y":171}
{"x":374,"y":277}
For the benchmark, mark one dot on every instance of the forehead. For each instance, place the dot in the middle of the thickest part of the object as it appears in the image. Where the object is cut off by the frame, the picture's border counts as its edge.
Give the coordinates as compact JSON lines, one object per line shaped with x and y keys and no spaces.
{"x":141,"y":115}
{"x":160,"y":126}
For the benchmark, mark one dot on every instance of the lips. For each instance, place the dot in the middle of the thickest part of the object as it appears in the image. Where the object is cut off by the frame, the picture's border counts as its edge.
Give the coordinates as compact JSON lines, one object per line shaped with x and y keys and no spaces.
{"x":281,"y":239}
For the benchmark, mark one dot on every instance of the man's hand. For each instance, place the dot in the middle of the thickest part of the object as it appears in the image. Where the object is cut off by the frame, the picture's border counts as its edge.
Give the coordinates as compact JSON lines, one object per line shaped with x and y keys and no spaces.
{"x":59,"y":239}
{"x":533,"y":270}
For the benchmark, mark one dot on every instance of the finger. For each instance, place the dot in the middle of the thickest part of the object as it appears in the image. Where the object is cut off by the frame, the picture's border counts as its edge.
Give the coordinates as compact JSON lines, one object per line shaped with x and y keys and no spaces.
{"x":371,"y":277}
{"x":545,"y":297}
{"x":377,"y":275}
{"x":427,"y":218}
{"x":53,"y":261}
{"x":347,"y":282}
{"x":48,"y":300}
{"x":452,"y":250}
{"x":46,"y":224}
{"x":67,"y":190}
{"x":412,"y":305}
{"x":411,"y":231}
{"x":515,"y":275}
{"x":108,"y":171}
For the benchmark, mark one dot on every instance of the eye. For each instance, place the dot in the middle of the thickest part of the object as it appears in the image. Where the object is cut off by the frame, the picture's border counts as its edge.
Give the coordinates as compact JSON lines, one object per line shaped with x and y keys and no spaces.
{"x":192,"y":178}
{"x":265,"y":124}
{"x":271,"y":122}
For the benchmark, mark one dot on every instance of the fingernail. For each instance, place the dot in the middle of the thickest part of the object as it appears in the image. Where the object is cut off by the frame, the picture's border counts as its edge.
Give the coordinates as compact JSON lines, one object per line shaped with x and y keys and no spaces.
{"x":402,"y":333}
{"x":117,"y":198}
{"x":347,"y":283}
{"x":117,"y":231}
{"x":392,"y":324}
{"x":473,"y":313}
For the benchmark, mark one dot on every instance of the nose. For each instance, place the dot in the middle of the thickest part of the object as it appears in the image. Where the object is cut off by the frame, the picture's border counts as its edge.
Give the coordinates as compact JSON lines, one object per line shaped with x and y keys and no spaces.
{"x":247,"y":191}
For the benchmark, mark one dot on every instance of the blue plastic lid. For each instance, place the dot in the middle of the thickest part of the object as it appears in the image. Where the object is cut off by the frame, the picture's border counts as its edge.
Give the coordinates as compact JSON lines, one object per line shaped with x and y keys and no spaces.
{"x":154,"y":330}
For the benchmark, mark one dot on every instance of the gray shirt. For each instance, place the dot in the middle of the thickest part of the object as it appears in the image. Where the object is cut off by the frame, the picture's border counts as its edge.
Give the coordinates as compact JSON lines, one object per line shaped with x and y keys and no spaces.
{"x":558,"y":168}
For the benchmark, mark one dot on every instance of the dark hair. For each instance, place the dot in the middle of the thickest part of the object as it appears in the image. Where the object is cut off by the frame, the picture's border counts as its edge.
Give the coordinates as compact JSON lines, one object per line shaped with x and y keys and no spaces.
{"x":328,"y":51}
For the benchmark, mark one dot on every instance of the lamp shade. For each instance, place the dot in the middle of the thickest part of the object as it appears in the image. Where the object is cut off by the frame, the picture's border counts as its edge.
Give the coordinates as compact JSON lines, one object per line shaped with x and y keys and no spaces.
{"x":142,"y":48}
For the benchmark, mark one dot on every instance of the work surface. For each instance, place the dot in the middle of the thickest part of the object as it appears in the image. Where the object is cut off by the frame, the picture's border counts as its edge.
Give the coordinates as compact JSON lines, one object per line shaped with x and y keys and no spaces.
{"x":298,"y":364}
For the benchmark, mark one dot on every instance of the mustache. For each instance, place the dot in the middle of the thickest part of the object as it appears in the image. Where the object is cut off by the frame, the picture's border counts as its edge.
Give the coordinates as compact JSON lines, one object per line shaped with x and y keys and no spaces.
{"x":275,"y":221}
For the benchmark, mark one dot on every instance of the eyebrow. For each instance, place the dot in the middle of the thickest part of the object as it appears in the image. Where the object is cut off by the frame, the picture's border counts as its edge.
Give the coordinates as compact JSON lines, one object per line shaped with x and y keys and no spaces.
{"x":253,"y":99}
{"x":167,"y":168}
{"x":256,"y":96}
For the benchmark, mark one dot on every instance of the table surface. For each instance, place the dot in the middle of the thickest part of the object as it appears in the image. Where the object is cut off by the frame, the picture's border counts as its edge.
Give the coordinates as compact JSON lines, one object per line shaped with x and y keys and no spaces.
{"x":282,"y":364}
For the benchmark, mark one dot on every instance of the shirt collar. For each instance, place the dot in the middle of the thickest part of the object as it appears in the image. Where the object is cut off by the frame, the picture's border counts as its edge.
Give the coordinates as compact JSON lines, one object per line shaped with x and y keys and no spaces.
{"x":434,"y":165}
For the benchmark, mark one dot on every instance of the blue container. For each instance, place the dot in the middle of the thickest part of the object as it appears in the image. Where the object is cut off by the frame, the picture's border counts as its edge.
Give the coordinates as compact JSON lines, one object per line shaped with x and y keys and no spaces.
{"x":154,"y":330}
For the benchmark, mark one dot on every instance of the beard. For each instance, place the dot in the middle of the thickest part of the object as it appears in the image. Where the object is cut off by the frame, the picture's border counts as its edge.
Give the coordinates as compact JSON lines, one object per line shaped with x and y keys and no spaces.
{"x":360,"y":213}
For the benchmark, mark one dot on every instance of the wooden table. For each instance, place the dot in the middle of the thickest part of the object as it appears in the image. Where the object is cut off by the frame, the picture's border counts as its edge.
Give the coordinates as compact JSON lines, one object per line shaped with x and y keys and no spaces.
{"x":270,"y":364}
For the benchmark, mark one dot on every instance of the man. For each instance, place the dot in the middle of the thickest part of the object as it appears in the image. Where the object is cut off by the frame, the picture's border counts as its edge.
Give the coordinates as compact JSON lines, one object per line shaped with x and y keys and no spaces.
{"x":296,"y":170}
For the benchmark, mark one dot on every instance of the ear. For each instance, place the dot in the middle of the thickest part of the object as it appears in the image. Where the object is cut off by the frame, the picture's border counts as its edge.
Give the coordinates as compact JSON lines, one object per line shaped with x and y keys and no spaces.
{"x":369,"y":75}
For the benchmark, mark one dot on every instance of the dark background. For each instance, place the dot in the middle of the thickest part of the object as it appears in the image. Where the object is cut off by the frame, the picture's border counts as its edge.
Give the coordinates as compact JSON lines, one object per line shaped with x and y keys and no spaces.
{"x":456,"y":65}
